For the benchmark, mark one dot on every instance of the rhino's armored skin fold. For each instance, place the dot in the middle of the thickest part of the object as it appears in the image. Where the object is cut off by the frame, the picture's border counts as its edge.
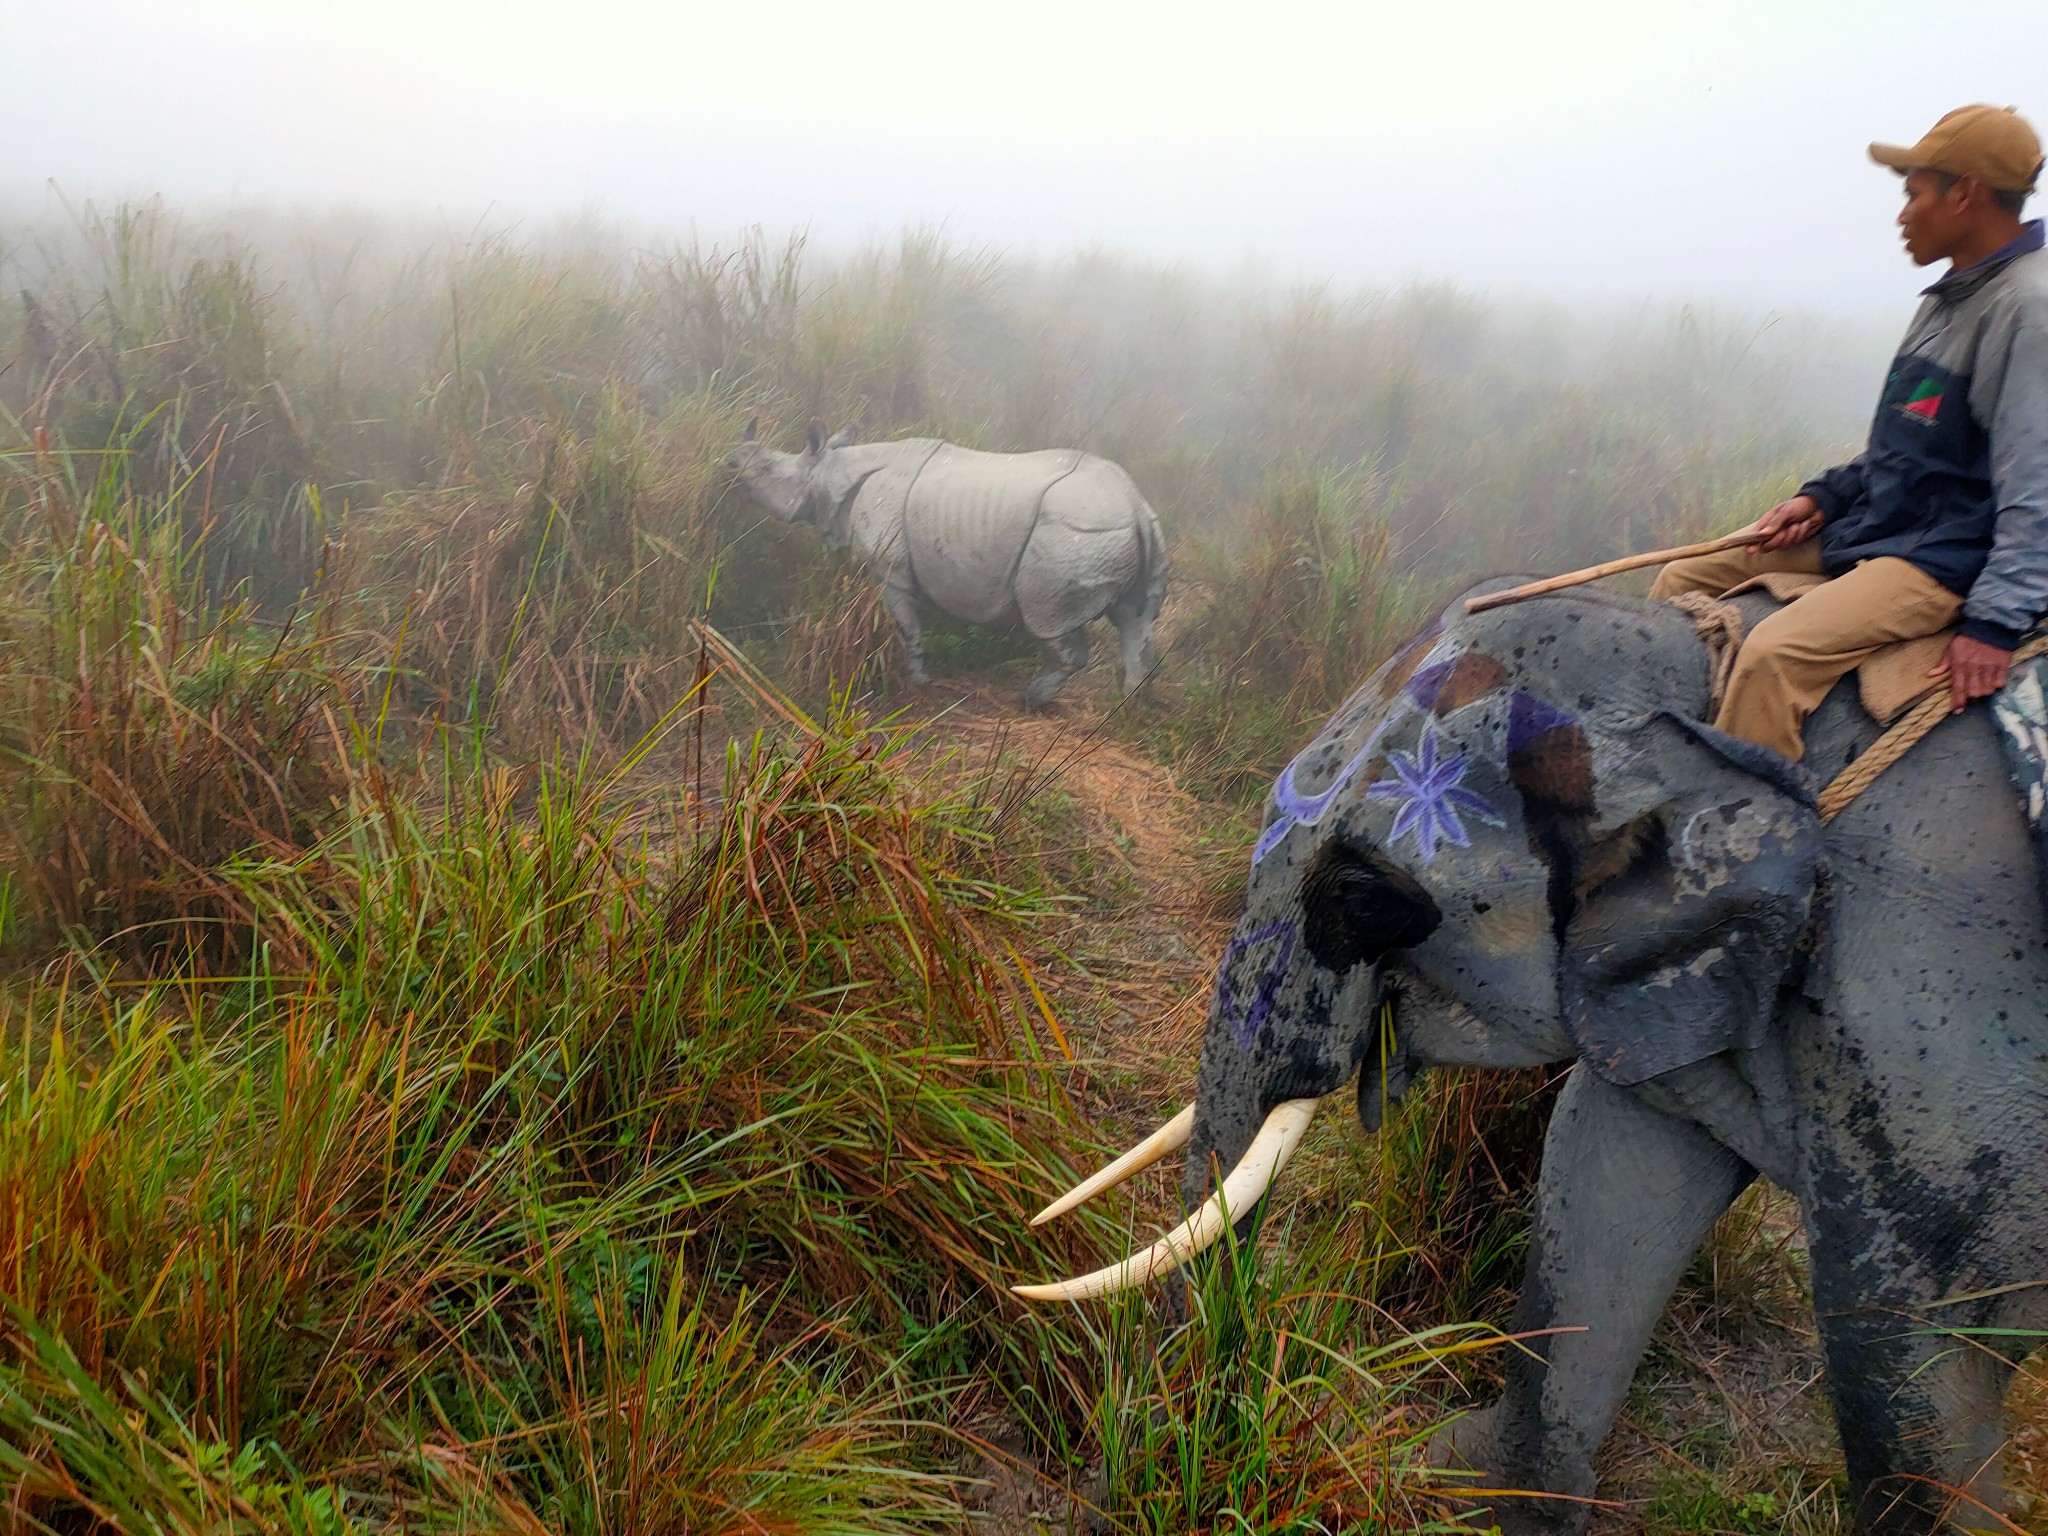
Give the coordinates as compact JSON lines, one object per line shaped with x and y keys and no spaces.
{"x":1050,"y":541}
{"x":1518,"y":843}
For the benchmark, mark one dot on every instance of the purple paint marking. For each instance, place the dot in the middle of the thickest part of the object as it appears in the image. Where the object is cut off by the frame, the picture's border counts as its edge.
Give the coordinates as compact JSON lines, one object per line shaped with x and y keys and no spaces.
{"x":1244,"y":1031}
{"x":1271,"y":837}
{"x":1431,"y":792}
{"x":1529,"y":717}
{"x":1428,"y":682}
{"x":1431,"y":808}
{"x":1297,"y":809}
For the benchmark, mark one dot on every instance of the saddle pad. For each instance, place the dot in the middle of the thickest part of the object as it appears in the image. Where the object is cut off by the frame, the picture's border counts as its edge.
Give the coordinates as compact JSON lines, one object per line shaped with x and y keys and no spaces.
{"x":2021,"y":710}
{"x":1892,"y":678}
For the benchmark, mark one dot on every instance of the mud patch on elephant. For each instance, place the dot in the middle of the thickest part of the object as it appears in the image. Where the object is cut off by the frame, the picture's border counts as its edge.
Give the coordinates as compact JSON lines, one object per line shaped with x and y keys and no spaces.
{"x":1451,"y":685}
{"x":1394,"y":675}
{"x":1553,"y":772}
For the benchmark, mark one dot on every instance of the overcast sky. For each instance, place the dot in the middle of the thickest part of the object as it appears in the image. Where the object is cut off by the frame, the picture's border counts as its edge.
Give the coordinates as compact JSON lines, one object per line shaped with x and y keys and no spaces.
{"x":1710,"y":148}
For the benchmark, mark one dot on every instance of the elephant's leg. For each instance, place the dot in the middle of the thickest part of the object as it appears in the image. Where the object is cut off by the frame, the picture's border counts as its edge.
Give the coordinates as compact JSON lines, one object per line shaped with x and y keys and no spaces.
{"x":899,"y":596}
{"x":1064,"y":655}
{"x":1133,"y":618}
{"x":1626,"y":1194}
{"x":1922,"y":1418}
{"x":1716,"y":1095}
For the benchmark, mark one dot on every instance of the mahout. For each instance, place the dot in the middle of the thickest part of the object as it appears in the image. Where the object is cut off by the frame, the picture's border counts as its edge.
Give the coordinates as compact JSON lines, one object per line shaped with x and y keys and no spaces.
{"x":1049,"y":540}
{"x":1519,"y":844}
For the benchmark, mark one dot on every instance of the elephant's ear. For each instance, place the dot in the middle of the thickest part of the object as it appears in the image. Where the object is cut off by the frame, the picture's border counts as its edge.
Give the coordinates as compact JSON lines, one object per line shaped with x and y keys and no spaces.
{"x":1690,"y":894}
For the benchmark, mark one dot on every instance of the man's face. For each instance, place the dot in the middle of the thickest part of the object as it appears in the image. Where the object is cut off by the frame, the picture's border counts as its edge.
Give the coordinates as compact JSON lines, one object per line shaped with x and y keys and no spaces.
{"x":1935,"y":221}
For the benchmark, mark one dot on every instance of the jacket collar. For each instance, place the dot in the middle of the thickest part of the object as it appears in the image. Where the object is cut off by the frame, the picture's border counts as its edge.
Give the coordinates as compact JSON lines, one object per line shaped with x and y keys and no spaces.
{"x":1960,"y":285}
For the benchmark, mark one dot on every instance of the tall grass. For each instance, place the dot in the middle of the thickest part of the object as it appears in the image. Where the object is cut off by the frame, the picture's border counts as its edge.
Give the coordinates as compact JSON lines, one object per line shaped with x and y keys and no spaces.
{"x":1307,"y":603}
{"x":475,"y":1052}
{"x":1250,"y":1417}
{"x":150,"y":742}
{"x":546,"y":1153}
{"x":522,"y":438}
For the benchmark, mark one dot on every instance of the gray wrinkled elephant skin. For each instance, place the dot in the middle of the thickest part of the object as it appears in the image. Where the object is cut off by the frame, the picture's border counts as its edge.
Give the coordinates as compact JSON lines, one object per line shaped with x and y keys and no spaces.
{"x":1519,"y":834}
{"x":1049,"y":541}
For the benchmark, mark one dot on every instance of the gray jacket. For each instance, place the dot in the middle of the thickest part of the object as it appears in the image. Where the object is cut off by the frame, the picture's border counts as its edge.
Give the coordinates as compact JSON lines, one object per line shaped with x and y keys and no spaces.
{"x":1955,"y":478}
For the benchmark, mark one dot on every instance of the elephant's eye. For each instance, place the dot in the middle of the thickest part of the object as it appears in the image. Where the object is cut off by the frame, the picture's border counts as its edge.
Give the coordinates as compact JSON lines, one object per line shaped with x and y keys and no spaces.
{"x":1359,"y":905}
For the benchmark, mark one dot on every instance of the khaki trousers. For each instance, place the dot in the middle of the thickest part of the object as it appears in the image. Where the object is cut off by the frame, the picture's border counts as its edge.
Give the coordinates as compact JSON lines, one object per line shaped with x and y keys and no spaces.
{"x":1789,"y":662}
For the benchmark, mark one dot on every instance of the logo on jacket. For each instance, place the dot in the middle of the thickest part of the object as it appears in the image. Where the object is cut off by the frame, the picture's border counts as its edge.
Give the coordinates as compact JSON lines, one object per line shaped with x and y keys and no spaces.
{"x":1924,"y":403}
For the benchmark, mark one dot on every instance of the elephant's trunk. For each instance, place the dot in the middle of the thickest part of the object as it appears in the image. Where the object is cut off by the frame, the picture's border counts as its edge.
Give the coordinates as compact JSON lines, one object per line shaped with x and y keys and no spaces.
{"x":1240,"y":1192}
{"x":1270,"y":1054}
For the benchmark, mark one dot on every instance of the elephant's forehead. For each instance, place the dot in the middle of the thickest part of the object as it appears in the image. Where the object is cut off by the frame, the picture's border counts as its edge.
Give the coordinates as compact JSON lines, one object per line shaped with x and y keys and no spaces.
{"x":1596,"y":651}
{"x":1539,"y":667}
{"x":1450,"y":737}
{"x":1468,"y":700}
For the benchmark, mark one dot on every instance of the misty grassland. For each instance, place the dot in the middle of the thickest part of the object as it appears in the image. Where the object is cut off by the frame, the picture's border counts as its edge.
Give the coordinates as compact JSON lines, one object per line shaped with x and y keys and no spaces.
{"x":513,"y":1021}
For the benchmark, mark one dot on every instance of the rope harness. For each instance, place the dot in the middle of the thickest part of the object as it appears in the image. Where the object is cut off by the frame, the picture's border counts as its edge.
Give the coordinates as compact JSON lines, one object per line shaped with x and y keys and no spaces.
{"x":1720,"y":625}
{"x":1895,"y":743}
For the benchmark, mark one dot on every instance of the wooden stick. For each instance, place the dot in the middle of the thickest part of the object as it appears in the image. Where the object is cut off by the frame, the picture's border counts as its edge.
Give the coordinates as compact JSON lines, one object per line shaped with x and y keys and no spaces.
{"x":1613,"y":568}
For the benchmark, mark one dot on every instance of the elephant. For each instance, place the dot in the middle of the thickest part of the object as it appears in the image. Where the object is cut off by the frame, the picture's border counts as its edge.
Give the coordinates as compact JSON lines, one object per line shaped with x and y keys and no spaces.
{"x":1051,"y":540}
{"x":1518,"y":844}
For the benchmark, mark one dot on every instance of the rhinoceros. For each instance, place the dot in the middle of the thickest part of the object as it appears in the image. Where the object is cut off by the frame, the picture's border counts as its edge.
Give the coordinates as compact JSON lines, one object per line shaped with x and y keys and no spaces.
{"x":1048,"y":540}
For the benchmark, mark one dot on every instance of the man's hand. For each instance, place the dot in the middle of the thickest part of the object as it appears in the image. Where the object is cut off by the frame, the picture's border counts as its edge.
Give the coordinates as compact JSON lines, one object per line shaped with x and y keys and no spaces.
{"x":1790,"y":522}
{"x":1974,"y":671}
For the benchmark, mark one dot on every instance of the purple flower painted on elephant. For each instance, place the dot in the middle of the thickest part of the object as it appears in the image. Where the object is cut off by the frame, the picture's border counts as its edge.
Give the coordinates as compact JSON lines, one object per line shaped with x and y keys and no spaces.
{"x":1246,"y":1029}
{"x":1431,"y":793}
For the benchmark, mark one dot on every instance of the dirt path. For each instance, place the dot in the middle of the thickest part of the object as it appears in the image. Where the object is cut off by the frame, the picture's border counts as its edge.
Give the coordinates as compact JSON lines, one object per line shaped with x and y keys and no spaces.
{"x":1159,"y":868}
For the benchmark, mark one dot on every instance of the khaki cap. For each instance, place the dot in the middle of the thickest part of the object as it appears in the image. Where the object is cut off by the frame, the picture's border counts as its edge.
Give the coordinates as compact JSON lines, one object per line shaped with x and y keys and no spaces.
{"x":1994,"y":144}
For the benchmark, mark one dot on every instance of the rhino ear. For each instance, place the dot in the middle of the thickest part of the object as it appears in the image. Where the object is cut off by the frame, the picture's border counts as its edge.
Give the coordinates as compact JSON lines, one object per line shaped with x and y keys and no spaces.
{"x":1681,"y":923}
{"x":753,"y":429}
{"x":843,"y":438}
{"x":814,"y":440}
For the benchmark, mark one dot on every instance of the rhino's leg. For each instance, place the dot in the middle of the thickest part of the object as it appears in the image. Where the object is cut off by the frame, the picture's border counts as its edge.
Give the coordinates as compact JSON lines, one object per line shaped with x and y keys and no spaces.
{"x":1626,"y":1194}
{"x":1133,"y":620}
{"x":1064,"y":655}
{"x":1136,"y":608}
{"x":899,"y":596}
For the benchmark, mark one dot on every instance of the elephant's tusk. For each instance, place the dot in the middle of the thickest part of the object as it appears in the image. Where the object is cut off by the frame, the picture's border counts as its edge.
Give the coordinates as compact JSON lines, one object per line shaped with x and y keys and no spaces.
{"x":1165,"y":1141}
{"x":1248,"y":1181}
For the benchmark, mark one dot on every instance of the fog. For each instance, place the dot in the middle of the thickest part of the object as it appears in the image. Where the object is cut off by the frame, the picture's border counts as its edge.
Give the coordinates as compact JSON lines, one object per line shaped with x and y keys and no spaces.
{"x":1569,"y":150}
